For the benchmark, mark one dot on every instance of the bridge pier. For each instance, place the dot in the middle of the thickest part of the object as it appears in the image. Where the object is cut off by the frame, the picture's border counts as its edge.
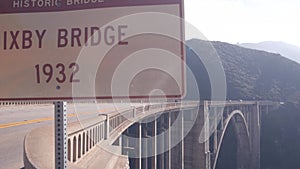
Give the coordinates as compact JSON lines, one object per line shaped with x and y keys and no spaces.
{"x":254,"y":127}
{"x":197,"y":154}
{"x":168,"y":143}
{"x":160,"y":143}
{"x":177,"y":152}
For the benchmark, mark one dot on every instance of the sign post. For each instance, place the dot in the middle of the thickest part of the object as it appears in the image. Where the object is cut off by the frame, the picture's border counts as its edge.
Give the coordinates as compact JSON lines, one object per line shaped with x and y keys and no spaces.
{"x":60,"y":108}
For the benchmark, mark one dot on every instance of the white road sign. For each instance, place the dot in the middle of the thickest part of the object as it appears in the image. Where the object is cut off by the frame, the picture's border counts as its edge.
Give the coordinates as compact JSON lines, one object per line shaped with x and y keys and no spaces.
{"x":64,"y":49}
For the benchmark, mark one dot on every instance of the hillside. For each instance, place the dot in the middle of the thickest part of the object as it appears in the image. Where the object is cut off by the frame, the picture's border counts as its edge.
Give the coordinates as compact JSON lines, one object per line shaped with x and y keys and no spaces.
{"x":287,"y":50}
{"x":250,"y":74}
{"x":256,"y":75}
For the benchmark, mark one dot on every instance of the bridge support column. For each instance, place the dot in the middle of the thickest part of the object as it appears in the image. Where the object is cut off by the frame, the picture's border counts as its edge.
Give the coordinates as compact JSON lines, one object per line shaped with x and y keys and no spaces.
{"x":182,"y":139}
{"x":189,"y":116}
{"x":131,"y":141}
{"x":214,"y":120}
{"x":196,"y":142}
{"x":255,"y":136}
{"x":154,"y":144}
{"x":140,"y":145}
{"x":149,"y":145}
{"x":160,"y":142}
{"x":169,"y":137}
{"x":177,"y":153}
{"x":144,"y":145}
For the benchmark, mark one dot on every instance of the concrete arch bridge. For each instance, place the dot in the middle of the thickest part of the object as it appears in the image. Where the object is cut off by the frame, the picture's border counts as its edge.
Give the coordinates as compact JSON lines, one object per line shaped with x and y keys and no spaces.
{"x":157,"y":136}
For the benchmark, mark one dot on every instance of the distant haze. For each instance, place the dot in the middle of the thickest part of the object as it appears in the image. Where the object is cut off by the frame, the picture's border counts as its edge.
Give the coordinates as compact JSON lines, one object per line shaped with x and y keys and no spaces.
{"x":287,"y":50}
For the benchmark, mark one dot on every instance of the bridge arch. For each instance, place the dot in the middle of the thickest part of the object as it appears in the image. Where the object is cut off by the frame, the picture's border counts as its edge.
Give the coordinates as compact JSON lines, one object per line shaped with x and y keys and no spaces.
{"x":243,"y":139}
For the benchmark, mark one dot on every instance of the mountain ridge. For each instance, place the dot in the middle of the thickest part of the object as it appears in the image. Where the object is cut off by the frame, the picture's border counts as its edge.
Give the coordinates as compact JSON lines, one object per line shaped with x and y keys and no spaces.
{"x":287,"y":50}
{"x":250,"y":74}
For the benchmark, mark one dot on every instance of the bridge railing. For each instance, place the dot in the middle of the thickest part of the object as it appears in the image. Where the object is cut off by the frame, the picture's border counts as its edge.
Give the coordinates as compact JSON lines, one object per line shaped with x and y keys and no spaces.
{"x":83,"y":139}
{"x":118,"y":118}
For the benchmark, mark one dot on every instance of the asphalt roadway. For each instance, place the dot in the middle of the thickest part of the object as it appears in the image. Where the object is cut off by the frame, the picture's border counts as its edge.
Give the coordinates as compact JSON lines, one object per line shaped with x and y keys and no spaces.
{"x":17,"y":121}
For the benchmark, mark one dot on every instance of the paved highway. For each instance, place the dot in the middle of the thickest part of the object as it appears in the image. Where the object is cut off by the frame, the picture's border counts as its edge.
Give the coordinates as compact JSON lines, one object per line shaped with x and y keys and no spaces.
{"x":17,"y":121}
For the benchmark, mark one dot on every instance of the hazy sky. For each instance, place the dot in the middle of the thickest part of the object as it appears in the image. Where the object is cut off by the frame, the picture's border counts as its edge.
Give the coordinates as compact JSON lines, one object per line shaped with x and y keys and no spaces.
{"x":246,"y":20}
